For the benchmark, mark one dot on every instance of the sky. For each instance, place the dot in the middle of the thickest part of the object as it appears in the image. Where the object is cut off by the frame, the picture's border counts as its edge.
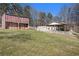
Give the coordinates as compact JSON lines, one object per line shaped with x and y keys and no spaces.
{"x":53,"y":8}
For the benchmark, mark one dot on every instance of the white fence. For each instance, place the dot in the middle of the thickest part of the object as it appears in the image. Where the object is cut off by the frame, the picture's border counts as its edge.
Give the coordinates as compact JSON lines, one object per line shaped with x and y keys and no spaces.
{"x":48,"y":29}
{"x":43,"y":28}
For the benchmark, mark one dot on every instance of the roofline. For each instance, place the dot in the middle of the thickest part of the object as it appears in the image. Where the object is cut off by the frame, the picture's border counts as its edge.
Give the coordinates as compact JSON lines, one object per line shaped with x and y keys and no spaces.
{"x":56,"y":24}
{"x":16,"y":16}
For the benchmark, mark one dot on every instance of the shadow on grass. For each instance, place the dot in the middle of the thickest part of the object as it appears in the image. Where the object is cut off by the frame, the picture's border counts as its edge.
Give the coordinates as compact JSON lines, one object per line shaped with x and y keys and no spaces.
{"x":18,"y":37}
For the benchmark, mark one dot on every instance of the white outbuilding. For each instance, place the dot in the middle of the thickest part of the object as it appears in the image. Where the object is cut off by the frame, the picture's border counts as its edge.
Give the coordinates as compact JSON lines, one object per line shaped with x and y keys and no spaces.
{"x":54,"y":26}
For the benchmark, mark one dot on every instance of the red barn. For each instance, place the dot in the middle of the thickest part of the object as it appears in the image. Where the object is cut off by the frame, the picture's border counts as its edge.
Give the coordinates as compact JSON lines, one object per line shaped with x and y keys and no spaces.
{"x":13,"y":22}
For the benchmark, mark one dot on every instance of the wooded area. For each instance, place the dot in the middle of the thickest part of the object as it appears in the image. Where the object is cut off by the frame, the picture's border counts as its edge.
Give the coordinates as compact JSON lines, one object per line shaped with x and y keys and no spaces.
{"x":69,"y":15}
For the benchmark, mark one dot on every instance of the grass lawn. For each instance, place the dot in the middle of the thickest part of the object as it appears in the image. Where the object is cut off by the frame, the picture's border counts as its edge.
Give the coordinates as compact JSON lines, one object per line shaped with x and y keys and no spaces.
{"x":31,"y":42}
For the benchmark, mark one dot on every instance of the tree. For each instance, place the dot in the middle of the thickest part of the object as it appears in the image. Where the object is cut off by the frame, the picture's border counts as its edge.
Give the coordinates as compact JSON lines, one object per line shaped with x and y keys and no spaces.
{"x":35,"y":16}
{"x":64,"y":13}
{"x":3,"y":8}
{"x":11,"y":9}
{"x":75,"y":17}
{"x":15,"y":9}
{"x":42,"y":19}
{"x":75,"y":11}
{"x":49,"y":18}
{"x":70,"y":15}
{"x":27,"y":14}
{"x":57,"y":19}
{"x":27,"y":11}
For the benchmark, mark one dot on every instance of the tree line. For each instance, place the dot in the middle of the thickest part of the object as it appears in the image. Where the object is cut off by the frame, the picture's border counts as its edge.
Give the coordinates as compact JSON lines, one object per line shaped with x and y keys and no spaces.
{"x":68,"y":14}
{"x":36,"y":18}
{"x":15,"y":9}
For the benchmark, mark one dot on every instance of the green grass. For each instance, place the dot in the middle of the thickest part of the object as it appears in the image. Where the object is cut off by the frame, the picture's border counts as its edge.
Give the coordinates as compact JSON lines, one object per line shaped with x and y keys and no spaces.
{"x":31,"y":42}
